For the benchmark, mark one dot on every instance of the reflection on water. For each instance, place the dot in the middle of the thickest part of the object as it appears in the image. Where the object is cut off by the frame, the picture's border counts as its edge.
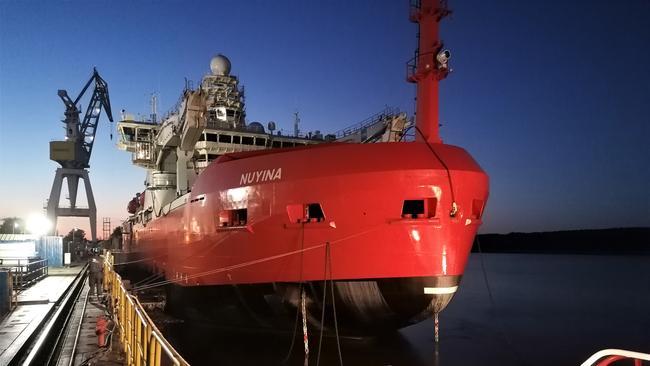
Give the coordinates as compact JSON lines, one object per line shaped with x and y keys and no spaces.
{"x":546,"y":309}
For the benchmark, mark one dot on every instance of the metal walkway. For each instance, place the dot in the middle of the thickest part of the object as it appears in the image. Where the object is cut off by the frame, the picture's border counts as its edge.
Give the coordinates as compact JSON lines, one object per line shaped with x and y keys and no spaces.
{"x":21,"y":330}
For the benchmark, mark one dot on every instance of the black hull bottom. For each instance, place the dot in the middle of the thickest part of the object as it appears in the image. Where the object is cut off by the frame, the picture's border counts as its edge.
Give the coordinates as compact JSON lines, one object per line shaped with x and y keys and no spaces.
{"x":363,"y":307}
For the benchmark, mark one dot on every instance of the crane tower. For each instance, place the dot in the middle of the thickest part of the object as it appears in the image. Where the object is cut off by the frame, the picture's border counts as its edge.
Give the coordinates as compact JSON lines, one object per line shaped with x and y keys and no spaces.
{"x":74,"y":152}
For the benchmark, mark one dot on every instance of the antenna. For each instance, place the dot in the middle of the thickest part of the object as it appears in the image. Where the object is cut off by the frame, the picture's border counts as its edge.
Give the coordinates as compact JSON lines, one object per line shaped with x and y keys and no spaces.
{"x":296,"y":122}
{"x":154,"y":107}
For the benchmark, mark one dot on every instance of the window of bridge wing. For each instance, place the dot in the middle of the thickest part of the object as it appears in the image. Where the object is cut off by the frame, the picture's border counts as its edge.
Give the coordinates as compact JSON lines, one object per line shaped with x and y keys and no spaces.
{"x":129,"y":133}
{"x":236,"y":140}
{"x":260,"y":141}
{"x":247,"y":140}
{"x":212,"y":137}
{"x":276,"y":144}
{"x":225,"y":139}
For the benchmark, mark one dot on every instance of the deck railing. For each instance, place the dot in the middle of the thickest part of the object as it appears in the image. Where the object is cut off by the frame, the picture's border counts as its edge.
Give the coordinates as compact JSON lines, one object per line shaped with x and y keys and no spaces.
{"x":369,"y":121}
{"x":142,"y":342}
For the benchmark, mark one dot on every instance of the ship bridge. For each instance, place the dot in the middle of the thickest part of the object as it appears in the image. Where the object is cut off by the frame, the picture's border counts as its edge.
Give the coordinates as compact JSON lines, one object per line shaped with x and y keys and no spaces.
{"x":139,"y":138}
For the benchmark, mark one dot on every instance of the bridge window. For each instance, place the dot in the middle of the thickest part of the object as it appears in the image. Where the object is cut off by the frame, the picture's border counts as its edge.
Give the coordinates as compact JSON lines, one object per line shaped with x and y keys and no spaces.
{"x":247,"y":140}
{"x":236,"y":140}
{"x":260,"y":141}
{"x":211,"y":137}
{"x":225,"y":139}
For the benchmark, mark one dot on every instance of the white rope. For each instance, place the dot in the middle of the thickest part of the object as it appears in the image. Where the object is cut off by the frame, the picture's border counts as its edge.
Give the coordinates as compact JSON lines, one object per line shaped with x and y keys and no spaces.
{"x":305,"y":336}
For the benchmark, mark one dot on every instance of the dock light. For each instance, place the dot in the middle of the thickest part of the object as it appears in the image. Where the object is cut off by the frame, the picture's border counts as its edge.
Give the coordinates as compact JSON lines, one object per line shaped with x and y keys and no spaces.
{"x":38,"y":224}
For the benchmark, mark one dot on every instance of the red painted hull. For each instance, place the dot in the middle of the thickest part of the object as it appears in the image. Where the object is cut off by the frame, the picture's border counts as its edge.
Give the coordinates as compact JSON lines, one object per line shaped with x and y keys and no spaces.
{"x":361,"y":189}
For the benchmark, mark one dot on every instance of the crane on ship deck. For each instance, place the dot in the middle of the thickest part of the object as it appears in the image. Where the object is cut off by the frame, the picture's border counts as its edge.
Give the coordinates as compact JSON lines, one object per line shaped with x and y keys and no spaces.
{"x":73,"y":154}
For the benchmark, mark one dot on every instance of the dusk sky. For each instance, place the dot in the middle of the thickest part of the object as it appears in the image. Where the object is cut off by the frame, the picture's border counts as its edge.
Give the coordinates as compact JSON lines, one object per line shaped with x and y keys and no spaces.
{"x":551,"y":98}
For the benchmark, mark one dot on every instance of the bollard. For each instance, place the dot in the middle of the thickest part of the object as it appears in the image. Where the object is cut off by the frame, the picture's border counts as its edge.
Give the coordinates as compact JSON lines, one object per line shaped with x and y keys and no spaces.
{"x":101,"y":329}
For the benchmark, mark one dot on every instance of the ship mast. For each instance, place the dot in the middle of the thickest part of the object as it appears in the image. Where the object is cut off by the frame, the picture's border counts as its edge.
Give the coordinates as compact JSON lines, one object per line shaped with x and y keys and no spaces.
{"x":429,"y":66}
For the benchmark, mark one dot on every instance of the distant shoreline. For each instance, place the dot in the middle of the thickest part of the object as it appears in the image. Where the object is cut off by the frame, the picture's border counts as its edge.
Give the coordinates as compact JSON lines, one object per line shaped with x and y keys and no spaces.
{"x":597,"y":241}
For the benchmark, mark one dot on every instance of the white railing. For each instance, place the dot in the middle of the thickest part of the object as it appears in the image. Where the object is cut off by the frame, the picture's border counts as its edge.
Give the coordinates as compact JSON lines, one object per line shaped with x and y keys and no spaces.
{"x":607,"y":356}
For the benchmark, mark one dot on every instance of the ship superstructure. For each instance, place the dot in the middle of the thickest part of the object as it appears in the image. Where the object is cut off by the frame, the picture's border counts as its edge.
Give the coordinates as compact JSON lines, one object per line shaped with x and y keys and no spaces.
{"x":242,"y":223}
{"x":208,"y":122}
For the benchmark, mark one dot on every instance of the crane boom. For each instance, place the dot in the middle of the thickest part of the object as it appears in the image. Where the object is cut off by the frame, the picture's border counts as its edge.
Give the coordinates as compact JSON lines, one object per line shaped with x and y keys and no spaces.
{"x":80,"y":135}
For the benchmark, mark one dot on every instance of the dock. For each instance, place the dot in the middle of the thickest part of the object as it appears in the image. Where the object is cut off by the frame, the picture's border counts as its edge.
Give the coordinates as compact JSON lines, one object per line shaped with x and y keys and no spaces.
{"x":33,"y":306}
{"x":58,"y":321}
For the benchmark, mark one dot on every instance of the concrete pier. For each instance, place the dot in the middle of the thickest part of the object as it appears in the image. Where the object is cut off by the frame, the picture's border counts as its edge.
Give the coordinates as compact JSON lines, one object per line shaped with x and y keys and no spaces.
{"x":33,"y":307}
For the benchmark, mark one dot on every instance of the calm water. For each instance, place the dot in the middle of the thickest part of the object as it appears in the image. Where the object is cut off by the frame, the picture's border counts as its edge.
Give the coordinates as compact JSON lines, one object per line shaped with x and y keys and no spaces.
{"x":545,"y":310}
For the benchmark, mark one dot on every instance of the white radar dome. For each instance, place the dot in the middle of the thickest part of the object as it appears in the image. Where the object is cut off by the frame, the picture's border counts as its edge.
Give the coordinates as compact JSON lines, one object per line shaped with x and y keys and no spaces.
{"x":220,"y":65}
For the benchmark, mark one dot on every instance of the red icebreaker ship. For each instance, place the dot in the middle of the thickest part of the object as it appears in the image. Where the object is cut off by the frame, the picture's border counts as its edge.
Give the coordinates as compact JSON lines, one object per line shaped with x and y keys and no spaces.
{"x":242,"y":222}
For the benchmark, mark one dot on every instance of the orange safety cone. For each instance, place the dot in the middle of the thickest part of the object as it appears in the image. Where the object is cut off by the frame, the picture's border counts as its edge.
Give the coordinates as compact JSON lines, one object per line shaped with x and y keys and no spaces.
{"x":101,"y":329}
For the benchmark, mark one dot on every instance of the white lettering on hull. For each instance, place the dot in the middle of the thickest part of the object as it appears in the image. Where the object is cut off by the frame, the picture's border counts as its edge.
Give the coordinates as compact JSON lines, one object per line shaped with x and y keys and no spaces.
{"x":260,"y":176}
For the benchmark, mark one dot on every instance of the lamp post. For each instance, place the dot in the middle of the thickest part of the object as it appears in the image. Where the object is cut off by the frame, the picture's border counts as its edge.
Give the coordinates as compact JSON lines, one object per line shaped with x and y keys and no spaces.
{"x":74,"y":239}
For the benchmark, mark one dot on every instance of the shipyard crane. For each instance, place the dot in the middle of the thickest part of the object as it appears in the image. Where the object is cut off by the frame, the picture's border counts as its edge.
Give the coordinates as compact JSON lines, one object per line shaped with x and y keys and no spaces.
{"x":74,"y":152}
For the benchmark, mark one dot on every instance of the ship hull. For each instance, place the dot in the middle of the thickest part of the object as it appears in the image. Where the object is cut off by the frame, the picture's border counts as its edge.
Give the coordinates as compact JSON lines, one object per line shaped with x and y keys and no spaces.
{"x":370,"y":217}
{"x":363,"y":307}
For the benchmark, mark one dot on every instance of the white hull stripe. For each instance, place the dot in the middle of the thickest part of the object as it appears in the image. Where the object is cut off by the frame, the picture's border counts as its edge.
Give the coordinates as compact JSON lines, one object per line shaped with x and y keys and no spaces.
{"x":440,"y":290}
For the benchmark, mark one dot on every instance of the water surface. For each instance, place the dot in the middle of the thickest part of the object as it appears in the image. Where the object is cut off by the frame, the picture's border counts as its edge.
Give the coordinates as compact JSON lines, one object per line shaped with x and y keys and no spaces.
{"x":534,"y":309}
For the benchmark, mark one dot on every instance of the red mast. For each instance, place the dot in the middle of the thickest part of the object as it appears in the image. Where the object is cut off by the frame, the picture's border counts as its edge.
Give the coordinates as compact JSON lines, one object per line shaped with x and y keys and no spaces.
{"x":429,"y":66}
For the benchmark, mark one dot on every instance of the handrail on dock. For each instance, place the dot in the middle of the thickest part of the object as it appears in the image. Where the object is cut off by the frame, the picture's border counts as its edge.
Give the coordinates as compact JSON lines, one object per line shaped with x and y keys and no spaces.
{"x":26,"y":272}
{"x":142,"y":342}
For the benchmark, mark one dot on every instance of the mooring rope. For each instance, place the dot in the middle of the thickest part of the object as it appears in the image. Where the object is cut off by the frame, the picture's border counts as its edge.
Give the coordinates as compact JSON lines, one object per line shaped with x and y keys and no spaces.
{"x":305,"y":335}
{"x":454,"y":206}
{"x":301,"y":290}
{"x":501,"y":325}
{"x":328,"y":266}
{"x":254,"y":262}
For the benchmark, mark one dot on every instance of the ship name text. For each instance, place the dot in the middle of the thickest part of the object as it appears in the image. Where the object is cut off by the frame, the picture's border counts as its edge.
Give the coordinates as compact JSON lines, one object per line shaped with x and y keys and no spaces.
{"x":261,"y":176}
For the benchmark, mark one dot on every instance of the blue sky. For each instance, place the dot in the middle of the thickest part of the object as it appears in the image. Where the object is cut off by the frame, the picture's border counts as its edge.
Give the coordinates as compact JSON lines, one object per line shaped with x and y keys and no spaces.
{"x":551,"y":98}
